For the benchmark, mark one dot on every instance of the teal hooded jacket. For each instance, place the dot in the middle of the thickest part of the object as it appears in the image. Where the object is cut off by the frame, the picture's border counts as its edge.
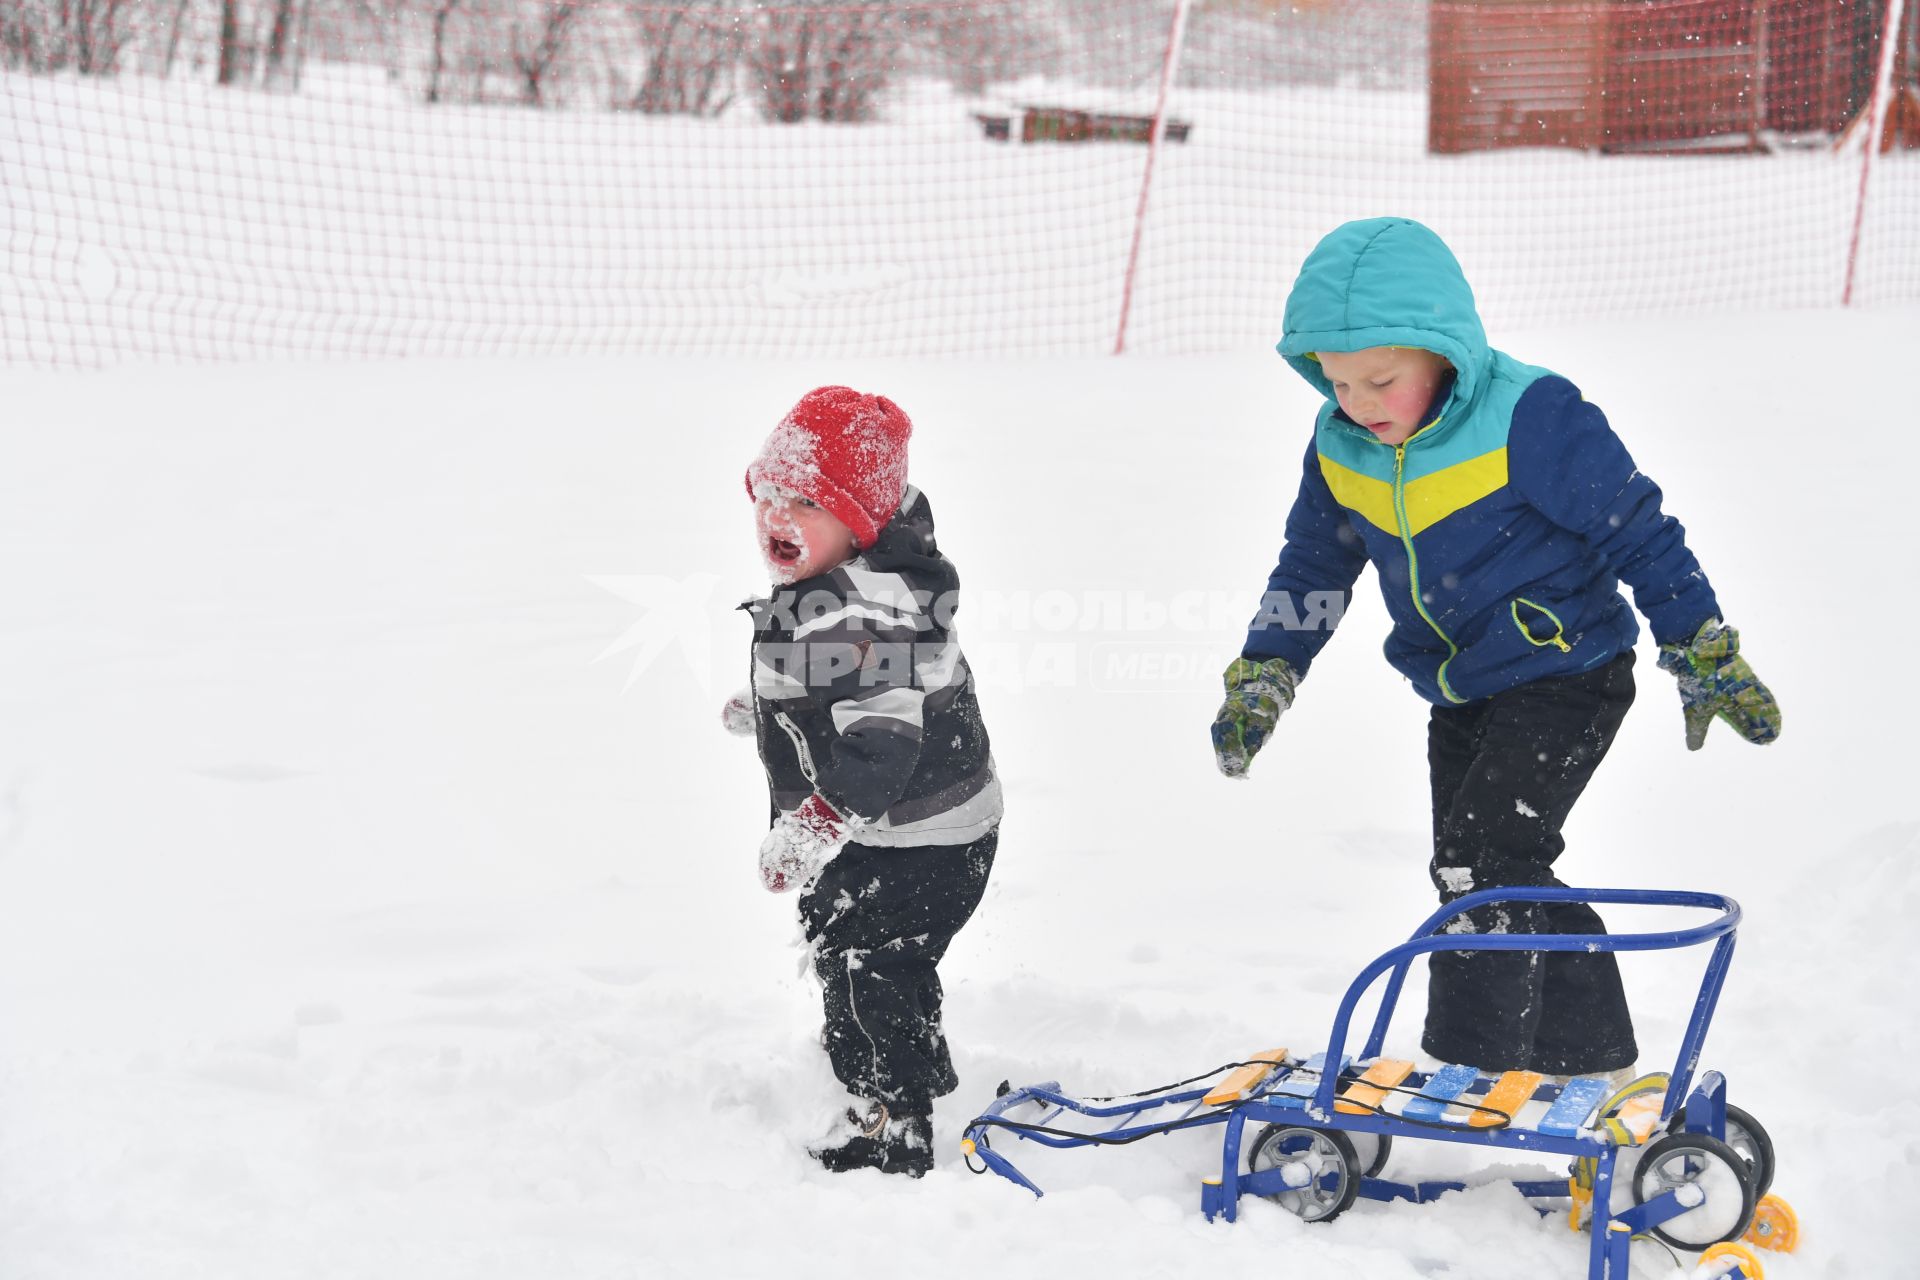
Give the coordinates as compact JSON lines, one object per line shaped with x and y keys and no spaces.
{"x":1501,"y":530}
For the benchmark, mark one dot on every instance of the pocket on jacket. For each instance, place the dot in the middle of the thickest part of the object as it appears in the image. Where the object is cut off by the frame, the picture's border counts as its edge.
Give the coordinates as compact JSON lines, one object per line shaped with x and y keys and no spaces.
{"x":1539,"y":624}
{"x":799,"y":739}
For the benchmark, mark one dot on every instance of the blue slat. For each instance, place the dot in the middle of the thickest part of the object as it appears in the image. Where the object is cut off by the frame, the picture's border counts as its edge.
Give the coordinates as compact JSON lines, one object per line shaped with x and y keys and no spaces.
{"x":1448,"y":1083}
{"x":1298,"y":1087}
{"x":1576,"y":1100}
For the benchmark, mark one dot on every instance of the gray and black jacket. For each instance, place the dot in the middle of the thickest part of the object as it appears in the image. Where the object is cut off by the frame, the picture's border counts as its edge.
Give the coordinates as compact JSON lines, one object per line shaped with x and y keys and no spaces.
{"x":861,"y":693}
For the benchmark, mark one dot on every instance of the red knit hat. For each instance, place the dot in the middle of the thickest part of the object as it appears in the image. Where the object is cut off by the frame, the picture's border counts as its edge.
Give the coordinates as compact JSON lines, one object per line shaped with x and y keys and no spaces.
{"x":845,"y":450}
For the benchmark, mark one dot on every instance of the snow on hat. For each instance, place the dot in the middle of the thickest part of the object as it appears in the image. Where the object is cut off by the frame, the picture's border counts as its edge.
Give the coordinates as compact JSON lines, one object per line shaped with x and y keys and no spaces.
{"x":844,"y":449}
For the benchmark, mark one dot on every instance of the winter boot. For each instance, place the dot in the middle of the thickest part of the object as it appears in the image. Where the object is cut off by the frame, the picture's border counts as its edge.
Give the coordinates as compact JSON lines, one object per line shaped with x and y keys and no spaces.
{"x":1618,"y":1078}
{"x":877,"y":1139}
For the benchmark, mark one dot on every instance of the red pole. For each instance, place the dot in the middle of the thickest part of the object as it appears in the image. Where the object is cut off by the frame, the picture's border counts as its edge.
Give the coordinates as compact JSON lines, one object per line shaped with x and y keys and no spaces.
{"x":1169,"y":69}
{"x":1876,"y":121}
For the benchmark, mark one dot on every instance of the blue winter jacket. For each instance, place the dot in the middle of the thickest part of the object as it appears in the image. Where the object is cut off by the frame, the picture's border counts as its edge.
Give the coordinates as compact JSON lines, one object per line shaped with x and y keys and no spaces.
{"x":1501,"y":530}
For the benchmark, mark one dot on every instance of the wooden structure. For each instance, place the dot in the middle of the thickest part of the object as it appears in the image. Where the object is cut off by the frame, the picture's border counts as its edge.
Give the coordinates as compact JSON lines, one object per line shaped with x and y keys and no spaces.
{"x":1066,"y":124}
{"x":1647,"y":75}
{"x":1901,"y":125}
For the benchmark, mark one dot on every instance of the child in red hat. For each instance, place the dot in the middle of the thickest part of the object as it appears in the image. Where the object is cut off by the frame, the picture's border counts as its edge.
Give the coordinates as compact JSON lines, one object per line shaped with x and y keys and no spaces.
{"x":885,"y":802}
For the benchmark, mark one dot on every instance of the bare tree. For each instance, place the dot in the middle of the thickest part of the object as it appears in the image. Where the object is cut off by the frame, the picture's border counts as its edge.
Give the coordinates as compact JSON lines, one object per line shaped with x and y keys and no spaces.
{"x":86,"y":36}
{"x":100,"y":33}
{"x":442,"y":12}
{"x":982,"y":44}
{"x":824,"y":61}
{"x":283,"y":42}
{"x":691,"y":51}
{"x":23,"y":39}
{"x":174,"y":28}
{"x":234,"y":60}
{"x":538,"y":46}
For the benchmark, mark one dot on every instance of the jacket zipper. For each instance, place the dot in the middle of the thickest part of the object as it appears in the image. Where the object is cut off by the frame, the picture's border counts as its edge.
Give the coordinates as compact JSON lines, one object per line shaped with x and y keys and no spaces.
{"x":1559,"y":637}
{"x":792,"y":731}
{"x":1413,"y":564}
{"x":781,"y":718}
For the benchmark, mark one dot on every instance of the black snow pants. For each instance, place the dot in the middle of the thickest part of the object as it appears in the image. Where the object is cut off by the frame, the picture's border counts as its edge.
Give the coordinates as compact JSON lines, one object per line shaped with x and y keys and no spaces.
{"x":1506,"y":771}
{"x":880,"y":919}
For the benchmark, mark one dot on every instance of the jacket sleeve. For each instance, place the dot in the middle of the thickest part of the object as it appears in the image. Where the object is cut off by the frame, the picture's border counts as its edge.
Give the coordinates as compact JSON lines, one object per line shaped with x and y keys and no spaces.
{"x":861,"y":675}
{"x":1567,"y":463}
{"x":1309,"y":589}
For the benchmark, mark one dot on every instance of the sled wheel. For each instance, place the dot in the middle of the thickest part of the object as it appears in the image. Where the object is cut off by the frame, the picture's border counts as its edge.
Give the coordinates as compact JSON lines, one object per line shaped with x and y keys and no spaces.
{"x":1775,"y":1226}
{"x":1744,"y":1135}
{"x":1716,"y":1170}
{"x":1328,"y":1171}
{"x":1726,"y":1255}
{"x":1370,"y":1152}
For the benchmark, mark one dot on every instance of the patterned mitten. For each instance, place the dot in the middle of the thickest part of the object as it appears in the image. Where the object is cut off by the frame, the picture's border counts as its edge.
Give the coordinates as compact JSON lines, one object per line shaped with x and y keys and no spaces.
{"x":800,"y":845}
{"x":1257,"y":692}
{"x":1716,"y":681}
{"x":737,"y":715}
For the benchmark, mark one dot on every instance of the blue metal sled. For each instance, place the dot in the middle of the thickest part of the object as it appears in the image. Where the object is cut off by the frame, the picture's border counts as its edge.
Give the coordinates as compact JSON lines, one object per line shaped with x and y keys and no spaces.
{"x":1689,"y":1175}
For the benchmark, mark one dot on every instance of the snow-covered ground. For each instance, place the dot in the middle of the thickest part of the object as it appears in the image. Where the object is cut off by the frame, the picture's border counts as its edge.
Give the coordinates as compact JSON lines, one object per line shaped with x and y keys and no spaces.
{"x":377,"y":891}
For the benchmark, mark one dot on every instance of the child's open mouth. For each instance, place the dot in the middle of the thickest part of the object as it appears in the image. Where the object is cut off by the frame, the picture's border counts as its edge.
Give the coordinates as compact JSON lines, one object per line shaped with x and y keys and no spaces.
{"x":781,"y":551}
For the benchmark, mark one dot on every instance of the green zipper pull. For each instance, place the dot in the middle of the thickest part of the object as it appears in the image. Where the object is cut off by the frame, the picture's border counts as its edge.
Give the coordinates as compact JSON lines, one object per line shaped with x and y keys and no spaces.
{"x":1558,"y":639}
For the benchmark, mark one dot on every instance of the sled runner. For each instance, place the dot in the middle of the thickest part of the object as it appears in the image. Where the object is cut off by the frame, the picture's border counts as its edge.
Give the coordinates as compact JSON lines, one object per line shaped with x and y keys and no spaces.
{"x":1665,"y":1156}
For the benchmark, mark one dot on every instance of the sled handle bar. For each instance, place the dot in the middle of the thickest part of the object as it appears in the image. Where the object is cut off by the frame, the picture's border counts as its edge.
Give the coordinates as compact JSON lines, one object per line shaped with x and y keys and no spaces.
{"x":1427,"y":939}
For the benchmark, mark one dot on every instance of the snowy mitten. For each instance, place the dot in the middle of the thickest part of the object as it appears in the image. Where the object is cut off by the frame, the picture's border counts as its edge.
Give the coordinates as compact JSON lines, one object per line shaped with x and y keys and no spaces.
{"x":800,"y":845}
{"x":737,"y":715}
{"x":1716,"y":681}
{"x":1257,"y":692}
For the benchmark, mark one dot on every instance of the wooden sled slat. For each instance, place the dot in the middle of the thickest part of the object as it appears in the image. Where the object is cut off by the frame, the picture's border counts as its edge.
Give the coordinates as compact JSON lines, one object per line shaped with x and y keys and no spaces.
{"x":1509,"y":1093}
{"x":1245,"y":1079}
{"x":1364,"y":1096}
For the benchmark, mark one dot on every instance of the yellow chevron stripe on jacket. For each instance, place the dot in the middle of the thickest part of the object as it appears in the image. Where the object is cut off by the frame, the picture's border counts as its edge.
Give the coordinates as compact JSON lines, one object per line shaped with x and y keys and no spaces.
{"x":1429,"y":498}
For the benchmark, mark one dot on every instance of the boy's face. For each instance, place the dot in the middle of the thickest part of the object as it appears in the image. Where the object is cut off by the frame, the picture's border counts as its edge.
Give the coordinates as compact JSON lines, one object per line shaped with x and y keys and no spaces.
{"x":798,"y":538}
{"x":1385,"y":389}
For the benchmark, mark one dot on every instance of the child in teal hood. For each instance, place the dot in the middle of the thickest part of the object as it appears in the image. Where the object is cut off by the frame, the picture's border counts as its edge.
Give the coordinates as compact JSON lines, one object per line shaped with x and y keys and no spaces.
{"x":1502,"y":515}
